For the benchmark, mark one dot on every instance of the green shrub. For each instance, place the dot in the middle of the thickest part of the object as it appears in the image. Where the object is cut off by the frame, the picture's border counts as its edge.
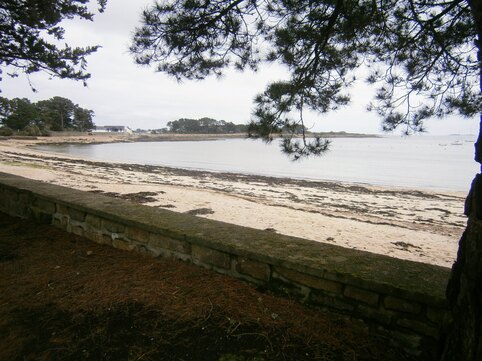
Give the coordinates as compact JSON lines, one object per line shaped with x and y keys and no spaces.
{"x":6,"y":131}
{"x":31,"y":130}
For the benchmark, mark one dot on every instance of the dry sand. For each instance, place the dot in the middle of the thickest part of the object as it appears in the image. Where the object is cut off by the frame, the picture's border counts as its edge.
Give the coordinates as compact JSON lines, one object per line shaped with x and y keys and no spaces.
{"x":410,"y":224}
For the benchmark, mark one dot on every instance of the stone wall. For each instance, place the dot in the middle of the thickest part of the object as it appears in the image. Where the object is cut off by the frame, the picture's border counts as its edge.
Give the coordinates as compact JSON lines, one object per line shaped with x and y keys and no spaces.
{"x":400,"y":300}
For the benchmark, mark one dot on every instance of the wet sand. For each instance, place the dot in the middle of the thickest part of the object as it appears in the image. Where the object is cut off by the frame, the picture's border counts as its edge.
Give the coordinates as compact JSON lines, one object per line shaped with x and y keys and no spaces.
{"x":405,"y":223}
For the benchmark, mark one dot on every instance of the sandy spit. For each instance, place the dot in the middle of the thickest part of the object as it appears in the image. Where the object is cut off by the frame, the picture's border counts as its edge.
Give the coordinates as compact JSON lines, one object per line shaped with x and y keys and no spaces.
{"x":404,"y":223}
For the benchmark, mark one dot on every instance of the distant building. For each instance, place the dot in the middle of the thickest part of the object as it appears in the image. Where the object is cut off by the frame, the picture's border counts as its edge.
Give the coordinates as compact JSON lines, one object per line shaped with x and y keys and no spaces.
{"x":112,"y":129}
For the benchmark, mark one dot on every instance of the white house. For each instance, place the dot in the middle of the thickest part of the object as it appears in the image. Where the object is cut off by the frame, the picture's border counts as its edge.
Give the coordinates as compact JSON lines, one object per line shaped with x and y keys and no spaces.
{"x":112,"y":129}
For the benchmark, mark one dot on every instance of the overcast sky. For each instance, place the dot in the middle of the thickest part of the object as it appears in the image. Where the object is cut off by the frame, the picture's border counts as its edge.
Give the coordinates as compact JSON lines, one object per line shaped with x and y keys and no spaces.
{"x":122,"y":93}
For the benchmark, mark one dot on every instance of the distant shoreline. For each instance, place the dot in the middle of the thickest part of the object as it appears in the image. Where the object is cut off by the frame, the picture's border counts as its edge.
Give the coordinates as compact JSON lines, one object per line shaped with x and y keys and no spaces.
{"x":101,"y":138}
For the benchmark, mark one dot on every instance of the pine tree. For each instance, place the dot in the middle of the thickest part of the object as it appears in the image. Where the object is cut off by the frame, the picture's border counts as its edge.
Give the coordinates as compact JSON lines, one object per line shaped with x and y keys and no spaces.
{"x":30,"y":32}
{"x":425,"y":59}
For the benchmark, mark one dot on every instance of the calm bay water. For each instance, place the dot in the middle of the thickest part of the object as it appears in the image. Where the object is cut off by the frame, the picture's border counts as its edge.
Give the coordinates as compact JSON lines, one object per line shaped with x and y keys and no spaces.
{"x":423,"y":162}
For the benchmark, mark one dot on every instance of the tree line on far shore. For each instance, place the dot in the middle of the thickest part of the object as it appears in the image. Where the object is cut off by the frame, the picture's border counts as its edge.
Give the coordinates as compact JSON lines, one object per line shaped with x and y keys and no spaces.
{"x":207,"y":125}
{"x":19,"y":116}
{"x":202,"y":126}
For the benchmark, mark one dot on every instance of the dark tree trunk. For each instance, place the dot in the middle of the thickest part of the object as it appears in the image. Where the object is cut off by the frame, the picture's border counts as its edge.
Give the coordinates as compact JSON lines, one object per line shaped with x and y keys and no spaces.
{"x":462,"y":339}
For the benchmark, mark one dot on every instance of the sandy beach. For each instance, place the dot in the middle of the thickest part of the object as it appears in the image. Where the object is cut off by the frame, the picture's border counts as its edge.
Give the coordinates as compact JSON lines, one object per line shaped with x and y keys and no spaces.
{"x":405,"y":223}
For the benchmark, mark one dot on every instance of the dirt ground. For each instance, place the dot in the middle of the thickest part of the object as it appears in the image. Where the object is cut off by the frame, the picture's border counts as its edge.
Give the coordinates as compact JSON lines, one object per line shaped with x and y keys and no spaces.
{"x":63,"y":297}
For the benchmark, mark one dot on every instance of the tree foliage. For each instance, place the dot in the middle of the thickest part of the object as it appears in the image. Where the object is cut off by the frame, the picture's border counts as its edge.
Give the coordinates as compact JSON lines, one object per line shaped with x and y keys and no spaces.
{"x":30,"y":32}
{"x":421,"y":54}
{"x":56,"y":114}
{"x":204,"y":126}
{"x":18,"y":113}
{"x":83,"y":119}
